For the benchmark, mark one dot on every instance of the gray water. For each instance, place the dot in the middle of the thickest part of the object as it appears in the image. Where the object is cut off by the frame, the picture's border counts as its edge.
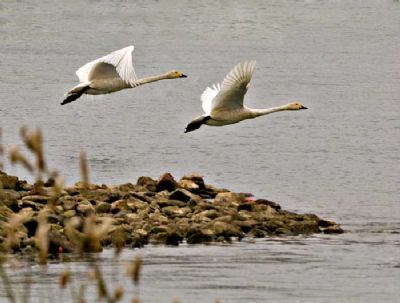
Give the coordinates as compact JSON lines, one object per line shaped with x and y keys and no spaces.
{"x":339,"y":159}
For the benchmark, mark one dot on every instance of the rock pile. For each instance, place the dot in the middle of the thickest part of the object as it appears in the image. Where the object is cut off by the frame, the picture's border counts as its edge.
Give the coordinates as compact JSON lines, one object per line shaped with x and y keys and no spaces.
{"x":163,"y":211}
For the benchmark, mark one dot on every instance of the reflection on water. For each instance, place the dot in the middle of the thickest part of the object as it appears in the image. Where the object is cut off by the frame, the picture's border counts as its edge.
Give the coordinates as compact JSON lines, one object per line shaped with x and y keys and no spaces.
{"x":338,"y":159}
{"x":302,"y":269}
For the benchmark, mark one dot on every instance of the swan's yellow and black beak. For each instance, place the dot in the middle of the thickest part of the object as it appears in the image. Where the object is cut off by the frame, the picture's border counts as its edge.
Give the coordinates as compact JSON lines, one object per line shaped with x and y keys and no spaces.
{"x":303,"y":107}
{"x":182,"y":76}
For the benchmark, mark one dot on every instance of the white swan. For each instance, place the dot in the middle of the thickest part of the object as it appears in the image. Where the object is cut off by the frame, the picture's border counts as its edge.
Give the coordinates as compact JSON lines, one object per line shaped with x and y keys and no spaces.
{"x":111,"y":73}
{"x":223,"y":104}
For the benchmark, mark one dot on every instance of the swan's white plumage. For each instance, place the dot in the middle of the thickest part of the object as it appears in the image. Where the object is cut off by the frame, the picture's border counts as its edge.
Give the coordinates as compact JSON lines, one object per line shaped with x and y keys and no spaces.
{"x":111,"y":73}
{"x":234,"y":87}
{"x":119,"y":61}
{"x":223,"y":104}
{"x":208,"y":96}
{"x":83,"y":72}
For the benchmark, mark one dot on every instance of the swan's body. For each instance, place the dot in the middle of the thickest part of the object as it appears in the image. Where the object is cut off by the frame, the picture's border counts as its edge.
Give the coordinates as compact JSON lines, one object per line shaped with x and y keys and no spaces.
{"x":223,"y":104}
{"x":111,"y":73}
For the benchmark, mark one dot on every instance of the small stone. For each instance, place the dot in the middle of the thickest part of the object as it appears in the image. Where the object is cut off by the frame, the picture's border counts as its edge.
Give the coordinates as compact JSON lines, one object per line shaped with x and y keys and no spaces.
{"x":158,"y":218}
{"x":85,"y":209}
{"x":188,"y":185}
{"x":68,"y":202}
{"x":148,"y":183}
{"x":31,"y":226}
{"x":274,"y":205}
{"x":50,"y":182}
{"x":37,"y":198}
{"x":119,"y":205}
{"x":31,"y":204}
{"x":247,"y":225}
{"x":229,"y":199}
{"x":127,"y":187}
{"x":24,"y":185}
{"x":166,"y":182}
{"x":244,"y":206}
{"x":258,"y":233}
{"x":159,"y":229}
{"x":199,"y":235}
{"x":70,"y":213}
{"x":333,"y":229}
{"x":8,"y":182}
{"x":196,"y":178}
{"x":215,"y":190}
{"x":103,"y":207}
{"x":136,"y":204}
{"x":325,"y":223}
{"x":132,"y":218}
{"x":10,"y":198}
{"x":175,"y":211}
{"x":209,"y":213}
{"x":183,"y":195}
{"x":166,"y":203}
{"x":112,"y":197}
{"x":303,"y":227}
{"x":226,"y":230}
{"x":139,"y":239}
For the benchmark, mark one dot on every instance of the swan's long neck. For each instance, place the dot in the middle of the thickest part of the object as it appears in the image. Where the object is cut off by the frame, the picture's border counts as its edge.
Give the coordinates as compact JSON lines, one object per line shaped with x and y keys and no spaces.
{"x":265,"y":111}
{"x":152,"y":79}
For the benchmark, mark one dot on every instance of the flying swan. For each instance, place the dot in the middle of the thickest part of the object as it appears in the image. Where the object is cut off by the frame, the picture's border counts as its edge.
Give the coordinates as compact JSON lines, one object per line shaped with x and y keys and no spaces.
{"x":223,"y":104}
{"x":111,"y":73}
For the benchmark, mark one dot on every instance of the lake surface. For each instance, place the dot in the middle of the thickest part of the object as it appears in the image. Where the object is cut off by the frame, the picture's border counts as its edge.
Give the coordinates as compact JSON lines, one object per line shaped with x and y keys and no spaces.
{"x":339,"y":159}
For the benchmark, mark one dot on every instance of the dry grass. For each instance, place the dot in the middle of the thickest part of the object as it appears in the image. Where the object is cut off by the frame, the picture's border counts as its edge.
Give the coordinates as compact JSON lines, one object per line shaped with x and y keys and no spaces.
{"x":87,"y":240}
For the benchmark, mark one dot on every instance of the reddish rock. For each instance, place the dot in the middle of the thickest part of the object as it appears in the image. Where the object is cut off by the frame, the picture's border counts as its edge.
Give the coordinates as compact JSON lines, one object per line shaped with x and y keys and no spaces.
{"x":166,"y":182}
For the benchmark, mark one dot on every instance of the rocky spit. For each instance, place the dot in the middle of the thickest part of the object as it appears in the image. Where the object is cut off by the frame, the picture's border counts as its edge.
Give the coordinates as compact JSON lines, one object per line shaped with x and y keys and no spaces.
{"x":163,"y":211}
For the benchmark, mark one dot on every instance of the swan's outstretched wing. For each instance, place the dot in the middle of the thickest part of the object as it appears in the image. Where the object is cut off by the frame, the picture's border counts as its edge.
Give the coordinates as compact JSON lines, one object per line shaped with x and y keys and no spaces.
{"x":118,"y":63}
{"x":234,"y":87}
{"x":207,"y":97}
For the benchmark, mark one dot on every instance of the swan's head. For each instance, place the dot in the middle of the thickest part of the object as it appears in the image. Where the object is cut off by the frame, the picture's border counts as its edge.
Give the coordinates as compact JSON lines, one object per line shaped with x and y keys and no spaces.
{"x":175,"y":74}
{"x":295,"y":106}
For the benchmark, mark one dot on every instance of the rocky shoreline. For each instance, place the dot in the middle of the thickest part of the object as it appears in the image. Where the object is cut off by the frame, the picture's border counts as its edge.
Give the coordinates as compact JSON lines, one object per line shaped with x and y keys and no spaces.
{"x":163,"y":211}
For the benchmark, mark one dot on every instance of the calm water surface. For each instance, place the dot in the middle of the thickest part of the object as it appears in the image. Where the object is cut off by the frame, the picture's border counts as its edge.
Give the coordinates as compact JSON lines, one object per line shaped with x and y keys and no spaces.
{"x":339,"y":159}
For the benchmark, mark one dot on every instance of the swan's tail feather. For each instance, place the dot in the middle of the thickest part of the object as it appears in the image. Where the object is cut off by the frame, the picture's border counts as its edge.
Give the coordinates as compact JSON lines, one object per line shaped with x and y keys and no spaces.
{"x":75,"y":93}
{"x":196,"y":123}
